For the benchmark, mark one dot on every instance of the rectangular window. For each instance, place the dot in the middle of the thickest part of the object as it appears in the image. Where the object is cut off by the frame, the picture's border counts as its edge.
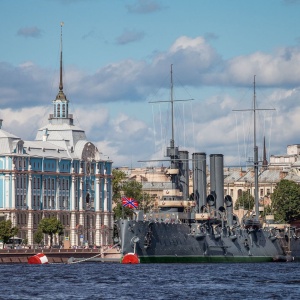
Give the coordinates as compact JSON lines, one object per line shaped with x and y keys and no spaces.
{"x":261,"y":192}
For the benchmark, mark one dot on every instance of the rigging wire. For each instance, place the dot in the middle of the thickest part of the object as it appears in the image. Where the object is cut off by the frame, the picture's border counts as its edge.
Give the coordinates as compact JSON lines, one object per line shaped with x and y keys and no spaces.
{"x":237,"y":137}
{"x":194,"y":139}
{"x":270,"y":134}
{"x":154,"y":129}
{"x":183,"y":124}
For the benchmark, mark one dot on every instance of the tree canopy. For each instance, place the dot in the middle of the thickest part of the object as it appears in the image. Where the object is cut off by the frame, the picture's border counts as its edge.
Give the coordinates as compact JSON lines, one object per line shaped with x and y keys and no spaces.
{"x":286,"y":201}
{"x":7,"y":231}
{"x":51,"y":226}
{"x":245,"y":200}
{"x":130,"y":189}
{"x":118,"y":178}
{"x":38,"y":236}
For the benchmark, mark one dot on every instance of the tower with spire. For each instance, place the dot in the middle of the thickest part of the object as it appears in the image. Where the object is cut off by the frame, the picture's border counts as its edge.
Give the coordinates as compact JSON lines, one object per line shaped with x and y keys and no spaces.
{"x":61,"y":103}
{"x":60,"y":174}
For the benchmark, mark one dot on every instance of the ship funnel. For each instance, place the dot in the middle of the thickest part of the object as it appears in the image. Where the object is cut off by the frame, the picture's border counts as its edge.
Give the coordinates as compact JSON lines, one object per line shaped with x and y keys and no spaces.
{"x":217,"y":179}
{"x":199,"y":178}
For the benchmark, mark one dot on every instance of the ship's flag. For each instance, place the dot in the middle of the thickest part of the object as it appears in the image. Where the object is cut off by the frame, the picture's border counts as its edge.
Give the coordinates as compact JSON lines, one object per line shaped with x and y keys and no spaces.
{"x":129,"y":202}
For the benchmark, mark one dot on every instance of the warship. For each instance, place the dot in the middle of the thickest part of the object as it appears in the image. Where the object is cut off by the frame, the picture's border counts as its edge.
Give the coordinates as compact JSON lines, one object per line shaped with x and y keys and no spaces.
{"x":202,"y":228}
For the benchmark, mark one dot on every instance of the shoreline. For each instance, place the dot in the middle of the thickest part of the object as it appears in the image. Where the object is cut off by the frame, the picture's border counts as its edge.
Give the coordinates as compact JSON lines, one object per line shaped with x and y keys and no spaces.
{"x":13,"y":256}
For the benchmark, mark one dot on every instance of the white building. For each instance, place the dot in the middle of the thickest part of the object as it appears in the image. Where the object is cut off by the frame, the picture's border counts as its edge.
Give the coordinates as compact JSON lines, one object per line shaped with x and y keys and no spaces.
{"x":59,"y":174}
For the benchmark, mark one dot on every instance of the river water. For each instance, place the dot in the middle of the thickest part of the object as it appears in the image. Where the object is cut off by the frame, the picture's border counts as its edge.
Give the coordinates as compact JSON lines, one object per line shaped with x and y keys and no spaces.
{"x":150,"y":281}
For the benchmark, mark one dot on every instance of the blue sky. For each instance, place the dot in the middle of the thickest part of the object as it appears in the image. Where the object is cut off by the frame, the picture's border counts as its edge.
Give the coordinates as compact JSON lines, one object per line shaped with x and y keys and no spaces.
{"x":117,"y":56}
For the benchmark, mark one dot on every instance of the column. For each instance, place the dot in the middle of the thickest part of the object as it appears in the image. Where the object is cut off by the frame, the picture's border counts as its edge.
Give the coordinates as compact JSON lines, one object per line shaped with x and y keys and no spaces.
{"x":73,"y":229}
{"x":30,"y":228}
{"x":29,"y":205}
{"x":57,"y":194}
{"x":72,"y":208}
{"x":97,"y":191}
{"x":6,"y":202}
{"x":29,"y":193}
{"x":81,"y":212}
{"x":98,"y":229}
{"x":105,"y":215}
{"x":80,"y":195}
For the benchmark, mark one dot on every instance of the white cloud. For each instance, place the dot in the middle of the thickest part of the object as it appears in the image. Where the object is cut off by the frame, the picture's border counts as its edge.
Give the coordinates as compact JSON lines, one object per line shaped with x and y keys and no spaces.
{"x":27,"y":91}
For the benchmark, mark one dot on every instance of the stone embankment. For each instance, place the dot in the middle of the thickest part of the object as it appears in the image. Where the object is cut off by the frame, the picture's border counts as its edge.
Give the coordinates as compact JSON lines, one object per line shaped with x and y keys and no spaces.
{"x":59,"y":255}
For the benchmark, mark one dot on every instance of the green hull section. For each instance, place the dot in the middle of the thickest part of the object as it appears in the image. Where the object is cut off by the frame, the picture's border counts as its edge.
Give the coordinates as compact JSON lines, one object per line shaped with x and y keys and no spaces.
{"x":205,"y":259}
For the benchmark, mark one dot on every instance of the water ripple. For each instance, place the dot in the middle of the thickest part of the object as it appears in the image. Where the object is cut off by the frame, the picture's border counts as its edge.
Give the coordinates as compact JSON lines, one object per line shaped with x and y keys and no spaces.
{"x":151,"y":281}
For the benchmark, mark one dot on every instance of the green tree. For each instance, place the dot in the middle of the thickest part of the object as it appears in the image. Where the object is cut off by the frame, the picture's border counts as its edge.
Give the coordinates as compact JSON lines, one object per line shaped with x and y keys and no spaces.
{"x":7,"y":231}
{"x":286,"y":201}
{"x":38,"y":236}
{"x":130,"y":189}
{"x":118,"y":178}
{"x":245,"y":200}
{"x":51,"y":226}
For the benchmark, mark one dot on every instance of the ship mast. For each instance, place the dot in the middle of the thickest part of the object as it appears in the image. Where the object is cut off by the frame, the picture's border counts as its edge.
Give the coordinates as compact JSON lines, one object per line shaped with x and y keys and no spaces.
{"x":172,"y":151}
{"x":255,"y":159}
{"x":255,"y":155}
{"x":172,"y":107}
{"x":172,"y":141}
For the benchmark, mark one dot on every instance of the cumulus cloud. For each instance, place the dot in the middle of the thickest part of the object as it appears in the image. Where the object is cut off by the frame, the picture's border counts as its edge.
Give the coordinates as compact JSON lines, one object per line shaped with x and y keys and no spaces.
{"x":277,"y":69}
{"x":197,"y":62}
{"x":33,"y":32}
{"x":209,"y":125}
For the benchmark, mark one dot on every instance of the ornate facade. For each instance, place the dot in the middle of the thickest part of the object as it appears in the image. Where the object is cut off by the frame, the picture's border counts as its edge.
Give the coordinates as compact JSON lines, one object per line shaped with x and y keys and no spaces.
{"x":59,"y":174}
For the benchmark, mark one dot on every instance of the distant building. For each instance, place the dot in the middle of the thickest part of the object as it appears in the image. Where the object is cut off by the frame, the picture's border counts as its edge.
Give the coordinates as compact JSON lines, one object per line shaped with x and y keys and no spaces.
{"x":236,"y":180}
{"x":290,"y":160}
{"x":59,"y":174}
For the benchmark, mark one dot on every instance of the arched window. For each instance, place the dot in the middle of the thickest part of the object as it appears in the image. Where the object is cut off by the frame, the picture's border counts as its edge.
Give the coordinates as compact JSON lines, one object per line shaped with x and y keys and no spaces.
{"x":58,"y":110}
{"x":64,"y":110}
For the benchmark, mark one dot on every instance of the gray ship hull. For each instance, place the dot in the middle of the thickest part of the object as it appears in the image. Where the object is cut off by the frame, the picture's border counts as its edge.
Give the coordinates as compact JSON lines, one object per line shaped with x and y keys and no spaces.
{"x":167,"y":242}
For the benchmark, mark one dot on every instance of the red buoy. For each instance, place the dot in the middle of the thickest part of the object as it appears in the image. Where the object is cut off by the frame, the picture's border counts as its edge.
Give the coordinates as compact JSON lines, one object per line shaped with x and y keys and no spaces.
{"x":130,"y":258}
{"x":38,"y":259}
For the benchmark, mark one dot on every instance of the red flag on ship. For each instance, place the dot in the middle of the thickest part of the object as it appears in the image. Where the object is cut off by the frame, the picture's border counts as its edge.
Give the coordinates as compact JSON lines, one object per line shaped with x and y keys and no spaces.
{"x":129,"y":202}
